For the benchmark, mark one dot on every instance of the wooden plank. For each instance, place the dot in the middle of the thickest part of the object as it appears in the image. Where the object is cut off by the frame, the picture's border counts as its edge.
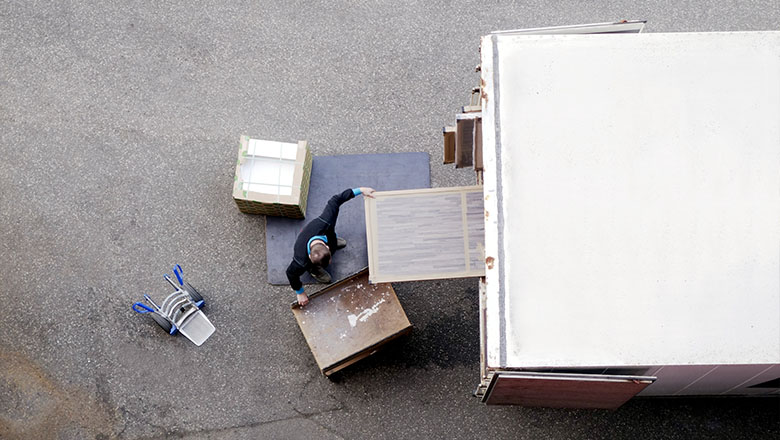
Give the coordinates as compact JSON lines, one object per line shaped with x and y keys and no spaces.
{"x":449,"y":144}
{"x":464,"y":139}
{"x":563,"y":390}
{"x":350,"y":320}
{"x":478,"y":145}
{"x":425,"y":234}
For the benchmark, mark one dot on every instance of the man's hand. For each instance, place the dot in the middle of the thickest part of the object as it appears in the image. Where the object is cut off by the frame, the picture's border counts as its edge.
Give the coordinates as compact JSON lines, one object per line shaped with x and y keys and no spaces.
{"x":303,"y":299}
{"x":368,"y":192}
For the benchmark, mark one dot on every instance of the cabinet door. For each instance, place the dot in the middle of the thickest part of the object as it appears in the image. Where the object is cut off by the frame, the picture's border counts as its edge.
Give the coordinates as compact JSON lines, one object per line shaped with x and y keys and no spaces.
{"x":622,"y":27}
{"x":562,"y":390}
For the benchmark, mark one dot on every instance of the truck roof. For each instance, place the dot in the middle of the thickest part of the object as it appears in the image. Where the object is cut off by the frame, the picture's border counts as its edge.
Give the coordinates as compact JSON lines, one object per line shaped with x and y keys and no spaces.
{"x":632,"y":195}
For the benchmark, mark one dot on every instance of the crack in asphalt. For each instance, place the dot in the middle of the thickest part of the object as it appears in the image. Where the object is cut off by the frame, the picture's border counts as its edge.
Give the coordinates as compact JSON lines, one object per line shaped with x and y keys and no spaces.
{"x":183,"y":434}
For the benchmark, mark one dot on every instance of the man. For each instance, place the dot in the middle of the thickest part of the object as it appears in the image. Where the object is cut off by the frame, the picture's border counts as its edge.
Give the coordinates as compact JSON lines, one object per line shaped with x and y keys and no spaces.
{"x":317,"y":241}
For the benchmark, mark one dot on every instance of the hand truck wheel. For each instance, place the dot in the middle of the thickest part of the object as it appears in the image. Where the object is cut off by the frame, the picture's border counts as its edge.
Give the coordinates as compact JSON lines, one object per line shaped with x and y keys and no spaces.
{"x":164,"y":323}
{"x":196,"y":297}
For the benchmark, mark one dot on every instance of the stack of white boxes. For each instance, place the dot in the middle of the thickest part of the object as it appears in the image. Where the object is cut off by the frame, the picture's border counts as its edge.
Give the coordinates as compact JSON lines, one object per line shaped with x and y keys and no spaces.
{"x":272,"y":178}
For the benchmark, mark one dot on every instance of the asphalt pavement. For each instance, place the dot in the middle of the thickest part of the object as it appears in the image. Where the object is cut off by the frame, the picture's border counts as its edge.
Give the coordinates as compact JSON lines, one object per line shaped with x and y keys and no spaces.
{"x":119,"y":128}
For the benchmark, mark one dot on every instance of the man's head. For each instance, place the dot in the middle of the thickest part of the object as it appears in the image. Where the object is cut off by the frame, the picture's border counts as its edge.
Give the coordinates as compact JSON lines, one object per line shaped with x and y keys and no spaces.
{"x":320,"y":254}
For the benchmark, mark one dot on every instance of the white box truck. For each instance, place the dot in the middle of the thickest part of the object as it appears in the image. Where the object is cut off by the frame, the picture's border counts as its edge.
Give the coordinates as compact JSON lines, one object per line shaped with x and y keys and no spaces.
{"x":632,"y":215}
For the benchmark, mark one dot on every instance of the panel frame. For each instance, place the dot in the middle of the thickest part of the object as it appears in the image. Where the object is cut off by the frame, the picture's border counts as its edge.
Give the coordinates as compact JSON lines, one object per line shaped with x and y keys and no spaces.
{"x":372,"y":233}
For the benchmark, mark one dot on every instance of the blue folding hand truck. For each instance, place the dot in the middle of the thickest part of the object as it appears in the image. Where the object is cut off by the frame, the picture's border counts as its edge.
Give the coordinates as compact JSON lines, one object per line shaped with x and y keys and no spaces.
{"x":180,"y":311}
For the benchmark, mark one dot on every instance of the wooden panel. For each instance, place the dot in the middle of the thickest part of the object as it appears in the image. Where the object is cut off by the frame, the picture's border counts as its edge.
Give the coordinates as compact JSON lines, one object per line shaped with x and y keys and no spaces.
{"x":350,"y":320}
{"x":557,"y":390}
{"x":425,"y":234}
{"x":464,"y":140}
{"x":478,"y":145}
{"x":449,"y":144}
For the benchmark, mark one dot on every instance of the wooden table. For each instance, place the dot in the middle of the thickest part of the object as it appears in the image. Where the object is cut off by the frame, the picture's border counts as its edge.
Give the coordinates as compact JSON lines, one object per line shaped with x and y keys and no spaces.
{"x":350,"y":320}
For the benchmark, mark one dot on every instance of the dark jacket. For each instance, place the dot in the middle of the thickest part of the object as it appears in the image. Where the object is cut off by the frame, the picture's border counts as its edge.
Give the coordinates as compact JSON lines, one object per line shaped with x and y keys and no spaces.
{"x":325,"y":225}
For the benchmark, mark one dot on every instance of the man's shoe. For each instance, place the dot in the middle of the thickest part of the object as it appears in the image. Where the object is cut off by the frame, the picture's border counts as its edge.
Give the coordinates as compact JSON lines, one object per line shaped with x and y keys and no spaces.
{"x":320,"y":275}
{"x":340,"y":243}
